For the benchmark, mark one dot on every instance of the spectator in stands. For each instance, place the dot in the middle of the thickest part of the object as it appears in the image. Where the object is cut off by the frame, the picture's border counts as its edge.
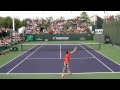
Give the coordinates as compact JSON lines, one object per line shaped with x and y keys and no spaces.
{"x":1,"y":43}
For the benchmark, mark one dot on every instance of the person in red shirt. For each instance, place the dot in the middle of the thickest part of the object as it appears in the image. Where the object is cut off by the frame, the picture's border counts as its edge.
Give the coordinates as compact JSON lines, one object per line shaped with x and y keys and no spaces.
{"x":66,"y":62}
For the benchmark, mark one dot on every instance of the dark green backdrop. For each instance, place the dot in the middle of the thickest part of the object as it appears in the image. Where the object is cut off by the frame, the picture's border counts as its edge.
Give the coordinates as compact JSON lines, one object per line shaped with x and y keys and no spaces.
{"x":59,"y":37}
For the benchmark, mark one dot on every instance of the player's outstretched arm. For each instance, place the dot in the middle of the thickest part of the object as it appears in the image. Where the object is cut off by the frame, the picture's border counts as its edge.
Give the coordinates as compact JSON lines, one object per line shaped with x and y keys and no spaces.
{"x":75,"y":48}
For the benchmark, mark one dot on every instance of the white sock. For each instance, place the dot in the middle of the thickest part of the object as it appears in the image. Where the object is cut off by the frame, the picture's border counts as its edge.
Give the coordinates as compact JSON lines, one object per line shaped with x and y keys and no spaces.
{"x":62,"y":74}
{"x":69,"y":71}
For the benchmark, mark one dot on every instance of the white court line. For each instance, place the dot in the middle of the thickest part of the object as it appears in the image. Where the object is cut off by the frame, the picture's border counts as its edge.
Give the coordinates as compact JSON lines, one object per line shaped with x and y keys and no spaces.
{"x":61,"y":73}
{"x":107,"y":57}
{"x":62,"y":58}
{"x":97,"y":59}
{"x":14,"y":58}
{"x":23,"y":60}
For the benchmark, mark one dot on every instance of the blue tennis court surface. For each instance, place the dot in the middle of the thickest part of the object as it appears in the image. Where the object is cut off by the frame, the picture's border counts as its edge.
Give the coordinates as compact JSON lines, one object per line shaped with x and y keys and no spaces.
{"x":49,"y":59}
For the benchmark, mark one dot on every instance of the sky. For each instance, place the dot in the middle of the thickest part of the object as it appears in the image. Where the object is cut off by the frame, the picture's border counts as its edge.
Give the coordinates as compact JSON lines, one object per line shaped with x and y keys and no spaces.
{"x":55,"y":14}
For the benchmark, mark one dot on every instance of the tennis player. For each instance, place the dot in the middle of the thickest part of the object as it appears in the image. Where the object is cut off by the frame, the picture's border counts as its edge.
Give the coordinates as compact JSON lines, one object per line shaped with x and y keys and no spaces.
{"x":66,"y":62}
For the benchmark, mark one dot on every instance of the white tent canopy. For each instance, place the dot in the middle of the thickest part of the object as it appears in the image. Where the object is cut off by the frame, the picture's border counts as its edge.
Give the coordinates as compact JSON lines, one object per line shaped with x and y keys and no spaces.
{"x":21,"y":30}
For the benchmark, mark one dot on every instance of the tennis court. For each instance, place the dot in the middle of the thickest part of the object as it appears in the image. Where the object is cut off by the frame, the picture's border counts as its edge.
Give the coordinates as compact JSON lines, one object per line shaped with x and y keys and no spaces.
{"x":48,"y":59}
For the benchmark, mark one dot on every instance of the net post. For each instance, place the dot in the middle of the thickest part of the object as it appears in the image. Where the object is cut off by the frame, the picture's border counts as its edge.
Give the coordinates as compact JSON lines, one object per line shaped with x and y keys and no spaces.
{"x":99,"y":46}
{"x":21,"y":47}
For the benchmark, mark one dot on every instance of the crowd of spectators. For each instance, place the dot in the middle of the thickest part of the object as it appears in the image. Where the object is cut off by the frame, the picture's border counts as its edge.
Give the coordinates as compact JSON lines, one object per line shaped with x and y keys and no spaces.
{"x":7,"y":38}
{"x":8,"y":41}
{"x":111,"y":18}
{"x":73,"y":26}
{"x":41,"y":26}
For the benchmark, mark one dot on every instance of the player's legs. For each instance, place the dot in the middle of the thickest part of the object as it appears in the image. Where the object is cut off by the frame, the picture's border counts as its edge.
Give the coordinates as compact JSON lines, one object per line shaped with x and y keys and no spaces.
{"x":65,"y":67}
{"x":63,"y":73}
{"x":68,"y":68}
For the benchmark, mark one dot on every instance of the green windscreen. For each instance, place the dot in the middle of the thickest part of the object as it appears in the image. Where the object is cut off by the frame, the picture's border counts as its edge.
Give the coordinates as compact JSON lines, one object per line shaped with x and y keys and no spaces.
{"x":30,"y":37}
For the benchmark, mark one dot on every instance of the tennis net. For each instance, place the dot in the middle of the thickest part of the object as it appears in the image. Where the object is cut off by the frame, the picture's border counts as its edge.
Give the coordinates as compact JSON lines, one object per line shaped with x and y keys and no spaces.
{"x":58,"y":47}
